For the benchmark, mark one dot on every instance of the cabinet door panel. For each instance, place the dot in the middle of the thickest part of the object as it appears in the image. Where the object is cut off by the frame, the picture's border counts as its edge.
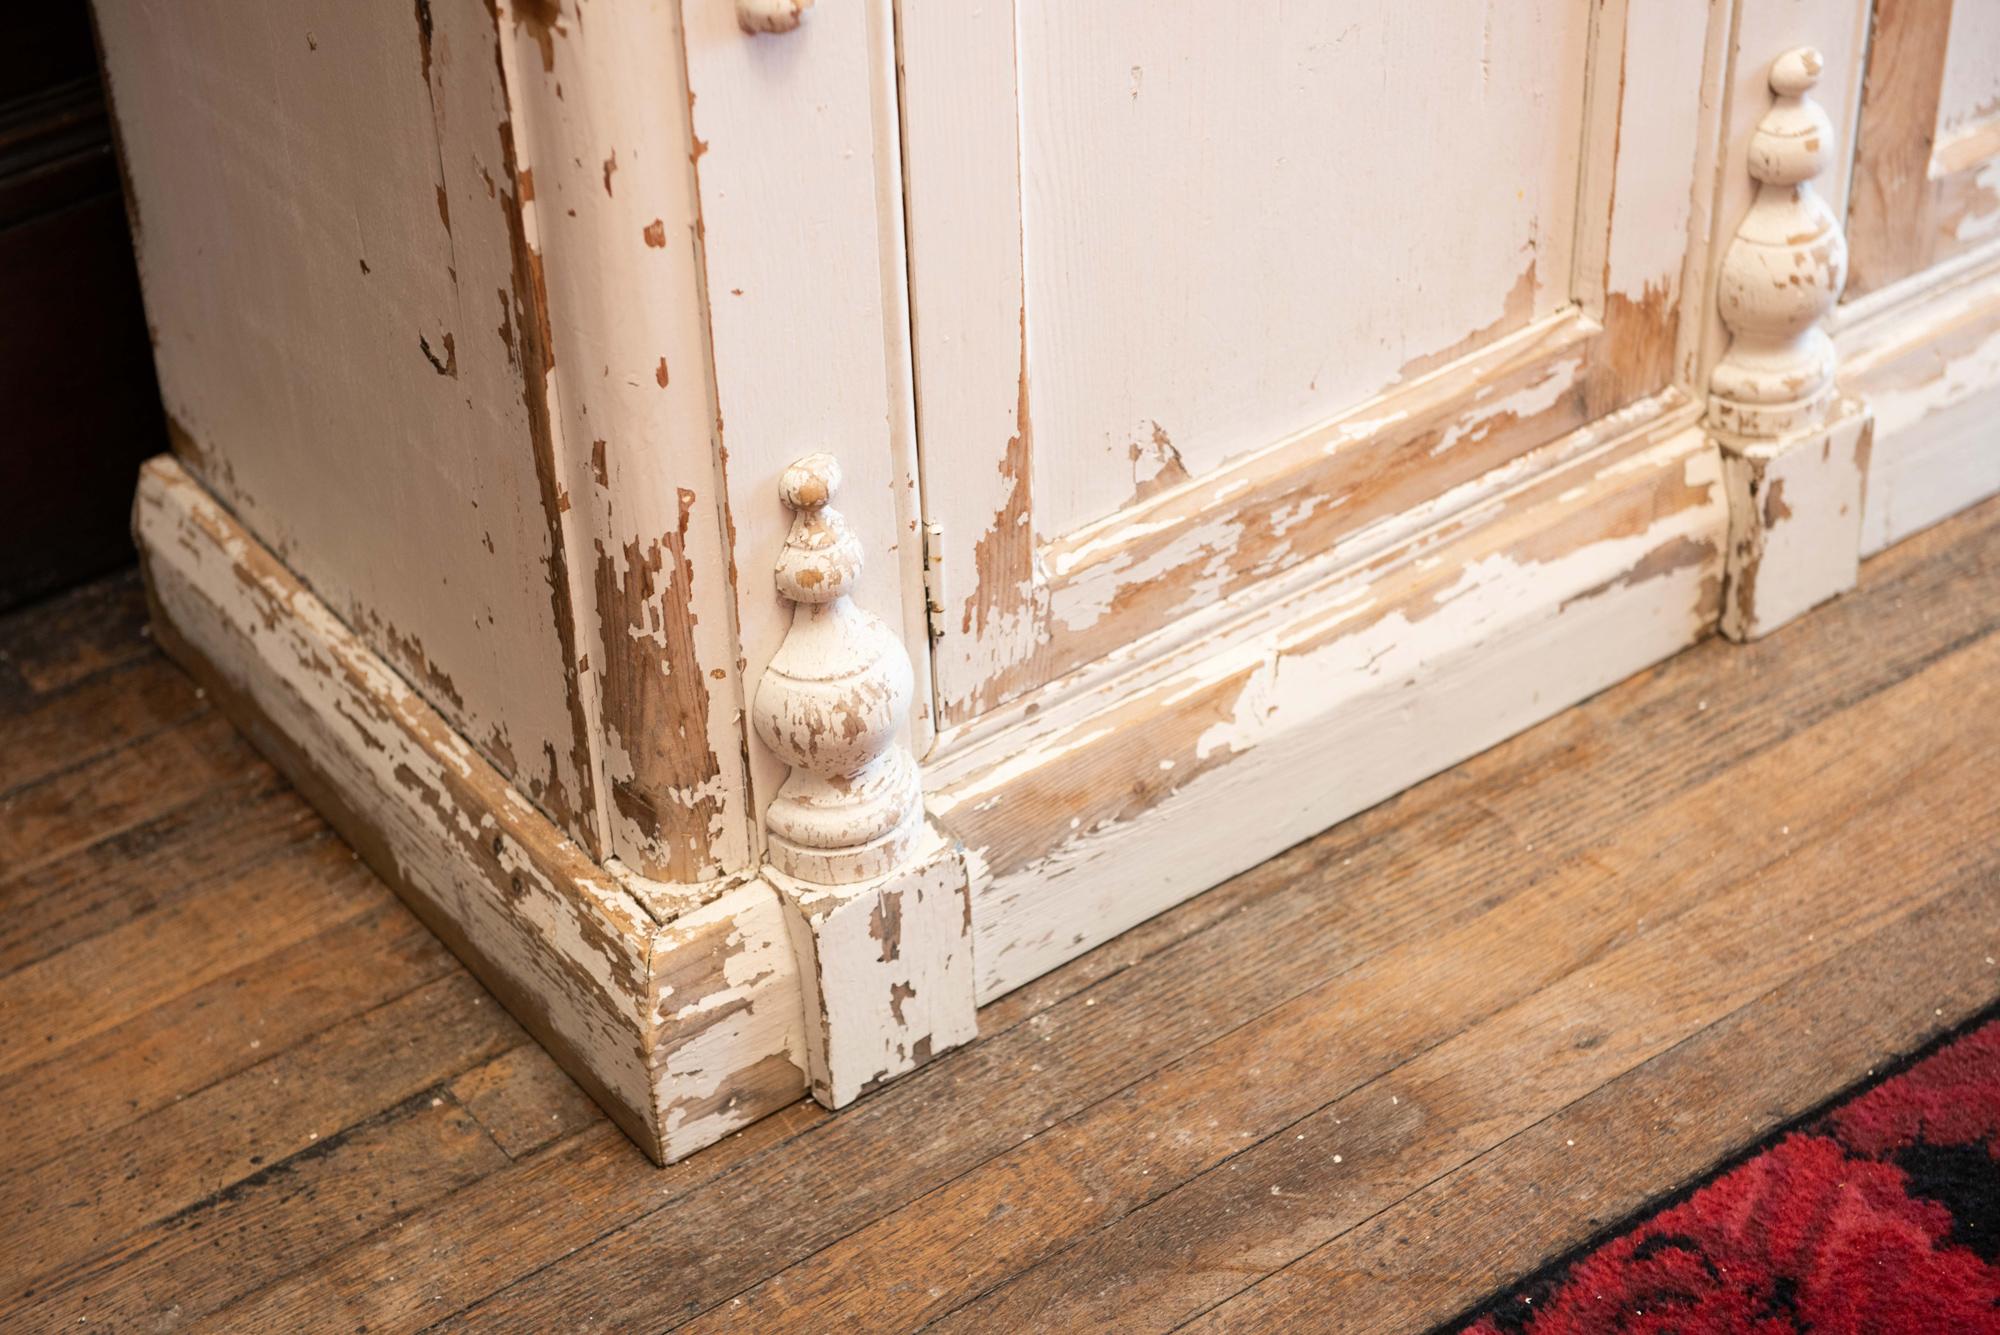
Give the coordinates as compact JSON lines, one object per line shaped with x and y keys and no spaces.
{"x":1237,"y":221}
{"x":1200,"y":291}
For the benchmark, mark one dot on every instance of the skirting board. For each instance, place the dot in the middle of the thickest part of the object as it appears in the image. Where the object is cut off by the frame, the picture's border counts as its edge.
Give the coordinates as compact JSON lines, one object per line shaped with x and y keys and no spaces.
{"x":1340,"y":696}
{"x":1925,"y":357}
{"x":683,"y":1031}
{"x":1096,"y":817}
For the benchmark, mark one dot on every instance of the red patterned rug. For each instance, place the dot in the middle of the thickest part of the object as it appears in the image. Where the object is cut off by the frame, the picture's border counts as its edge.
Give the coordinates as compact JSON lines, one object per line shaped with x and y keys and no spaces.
{"x":1881,"y":1213}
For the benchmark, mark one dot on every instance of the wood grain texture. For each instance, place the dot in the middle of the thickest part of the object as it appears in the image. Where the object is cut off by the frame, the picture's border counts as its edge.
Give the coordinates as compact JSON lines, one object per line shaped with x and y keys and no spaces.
{"x":1892,"y":225}
{"x":1927,"y":164}
{"x":430,"y":1196}
{"x":1650,"y":1130}
{"x":1434,"y":1108}
{"x":66,"y":640}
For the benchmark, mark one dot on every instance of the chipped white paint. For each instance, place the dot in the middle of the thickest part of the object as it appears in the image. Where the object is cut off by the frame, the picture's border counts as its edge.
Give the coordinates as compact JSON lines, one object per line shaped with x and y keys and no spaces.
{"x":1795,"y":509}
{"x":1648,"y":59}
{"x":1976,"y":225}
{"x":755,"y":16}
{"x":876,"y":902}
{"x":1782,"y":272}
{"x":1794,"y":480}
{"x":1298,"y":287}
{"x":346,"y":371}
{"x":885,"y":968}
{"x":1243,"y":337}
{"x":971,"y":747}
{"x":798,"y":167}
{"x":1559,"y":379}
{"x":1409,"y":469}
{"x":683,"y":1032}
{"x":730,"y":1041}
{"x":1050,"y":314}
{"x":525,"y":907}
{"x":1398,"y":671}
{"x":600,"y":120}
{"x":1969,"y":91}
{"x":831,"y":704}
{"x":1926,"y":359}
{"x":1757,"y":30}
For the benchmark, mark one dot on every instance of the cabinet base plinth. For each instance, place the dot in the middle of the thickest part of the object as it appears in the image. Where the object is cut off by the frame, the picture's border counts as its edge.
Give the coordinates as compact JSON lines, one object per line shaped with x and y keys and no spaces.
{"x":683,"y":1031}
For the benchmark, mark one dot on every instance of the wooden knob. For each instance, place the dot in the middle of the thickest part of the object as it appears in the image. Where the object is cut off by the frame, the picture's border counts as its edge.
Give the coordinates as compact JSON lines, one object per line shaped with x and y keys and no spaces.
{"x":755,"y":16}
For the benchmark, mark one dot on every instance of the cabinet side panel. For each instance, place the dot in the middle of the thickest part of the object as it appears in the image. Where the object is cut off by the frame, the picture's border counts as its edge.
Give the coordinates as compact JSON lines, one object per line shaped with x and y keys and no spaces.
{"x":348,"y":330}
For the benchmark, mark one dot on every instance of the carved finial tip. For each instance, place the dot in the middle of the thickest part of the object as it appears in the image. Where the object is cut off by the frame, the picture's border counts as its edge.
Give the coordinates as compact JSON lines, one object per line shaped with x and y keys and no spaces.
{"x":1794,"y":73}
{"x":810,"y":482}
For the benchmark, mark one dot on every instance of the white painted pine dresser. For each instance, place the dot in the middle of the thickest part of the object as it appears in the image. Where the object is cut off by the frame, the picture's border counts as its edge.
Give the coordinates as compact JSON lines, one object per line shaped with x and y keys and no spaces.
{"x":775,"y":525}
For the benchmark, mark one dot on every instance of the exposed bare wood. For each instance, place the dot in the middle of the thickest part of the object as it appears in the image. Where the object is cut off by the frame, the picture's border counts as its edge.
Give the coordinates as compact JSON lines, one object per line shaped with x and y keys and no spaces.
{"x":1782,"y":271}
{"x":1079,"y":537}
{"x":1275,"y":406}
{"x":632,"y":421}
{"x":360,"y":373}
{"x":1927,"y":164}
{"x":885,"y":969}
{"x":683,"y":1031}
{"x":1615,"y":557}
{"x":832,"y":703}
{"x":1795,"y":479}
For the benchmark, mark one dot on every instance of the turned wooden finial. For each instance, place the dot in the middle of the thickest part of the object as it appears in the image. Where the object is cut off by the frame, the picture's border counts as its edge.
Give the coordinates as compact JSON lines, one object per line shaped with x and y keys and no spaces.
{"x":832,"y":702}
{"x":1782,"y":272}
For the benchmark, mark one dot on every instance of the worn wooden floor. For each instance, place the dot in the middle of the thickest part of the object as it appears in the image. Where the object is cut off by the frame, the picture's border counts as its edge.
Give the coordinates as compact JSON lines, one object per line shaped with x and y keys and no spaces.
{"x":1355,"y":1088}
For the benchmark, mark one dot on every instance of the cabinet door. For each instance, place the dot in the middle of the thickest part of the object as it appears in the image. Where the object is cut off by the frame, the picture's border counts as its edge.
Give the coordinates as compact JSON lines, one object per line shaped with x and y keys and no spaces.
{"x":1201,"y":292}
{"x":1927,"y":164}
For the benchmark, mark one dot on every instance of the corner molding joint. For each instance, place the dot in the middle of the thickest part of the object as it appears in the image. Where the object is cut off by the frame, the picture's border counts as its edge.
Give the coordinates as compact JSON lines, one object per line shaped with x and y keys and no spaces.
{"x":878,"y":903}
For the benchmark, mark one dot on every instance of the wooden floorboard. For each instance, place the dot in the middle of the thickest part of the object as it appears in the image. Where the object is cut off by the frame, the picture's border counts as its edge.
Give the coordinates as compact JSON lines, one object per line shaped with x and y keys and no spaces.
{"x":1360,"y":1085}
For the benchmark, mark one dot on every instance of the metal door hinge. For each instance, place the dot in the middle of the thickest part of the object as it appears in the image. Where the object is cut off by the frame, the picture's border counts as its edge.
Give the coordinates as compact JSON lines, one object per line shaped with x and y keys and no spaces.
{"x":934,"y":578}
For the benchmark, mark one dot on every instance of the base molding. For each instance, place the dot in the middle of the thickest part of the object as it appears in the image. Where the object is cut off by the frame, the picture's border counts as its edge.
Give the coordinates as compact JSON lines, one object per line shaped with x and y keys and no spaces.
{"x":1339,"y":696}
{"x":690,"y":1014}
{"x":1924,"y":356}
{"x":682,"y":1031}
{"x":1795,"y":507}
{"x":885,"y":967}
